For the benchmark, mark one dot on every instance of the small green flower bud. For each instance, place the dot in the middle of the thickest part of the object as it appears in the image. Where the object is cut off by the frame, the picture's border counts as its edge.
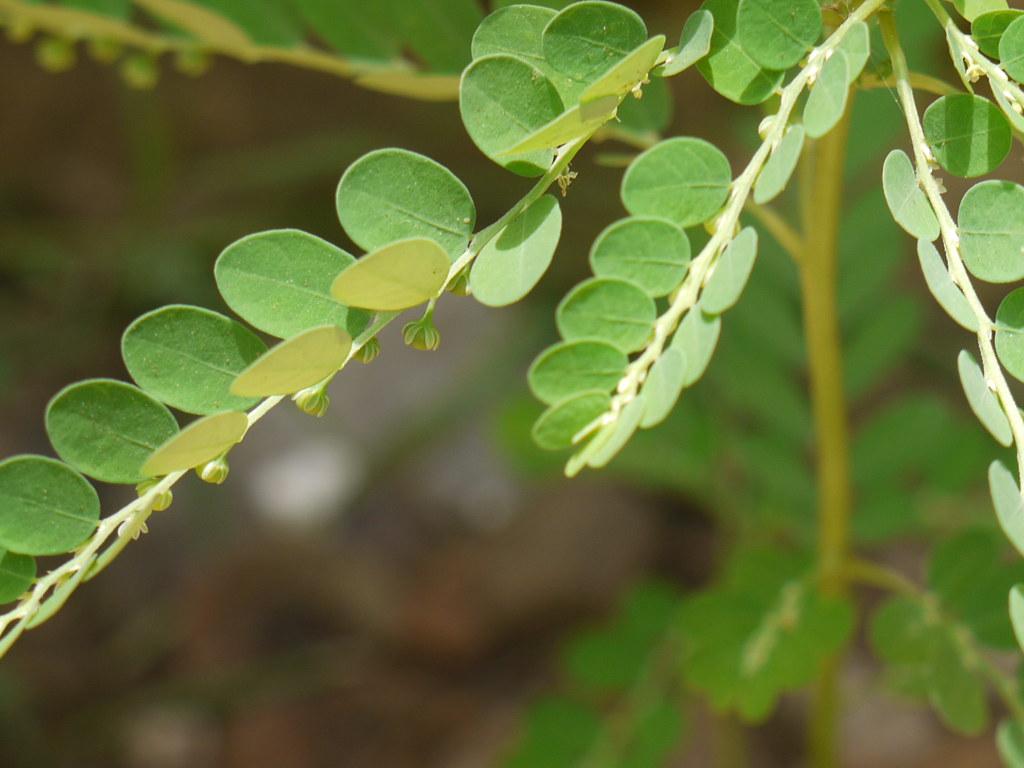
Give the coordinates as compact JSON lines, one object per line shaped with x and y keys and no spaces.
{"x":369,"y":352}
{"x":192,"y":62}
{"x":421,"y":334}
{"x":161,"y":501}
{"x":56,"y":54}
{"x":460,"y":285}
{"x":139,"y":71}
{"x":214,"y":472}
{"x":313,"y":401}
{"x":104,"y":50}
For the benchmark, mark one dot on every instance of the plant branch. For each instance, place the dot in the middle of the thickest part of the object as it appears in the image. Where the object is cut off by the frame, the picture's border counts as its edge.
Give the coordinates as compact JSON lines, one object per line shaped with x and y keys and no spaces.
{"x":726,"y":224}
{"x":919,"y":82}
{"x":398,"y":77}
{"x":129,"y":522}
{"x":925,"y":163}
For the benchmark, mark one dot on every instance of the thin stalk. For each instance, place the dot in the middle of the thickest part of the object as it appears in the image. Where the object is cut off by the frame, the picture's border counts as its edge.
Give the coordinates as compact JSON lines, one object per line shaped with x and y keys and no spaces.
{"x":818,"y":266}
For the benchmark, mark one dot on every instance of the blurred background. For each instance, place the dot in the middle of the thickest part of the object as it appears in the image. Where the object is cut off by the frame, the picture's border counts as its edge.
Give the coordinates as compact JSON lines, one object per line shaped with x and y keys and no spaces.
{"x":409,"y":581}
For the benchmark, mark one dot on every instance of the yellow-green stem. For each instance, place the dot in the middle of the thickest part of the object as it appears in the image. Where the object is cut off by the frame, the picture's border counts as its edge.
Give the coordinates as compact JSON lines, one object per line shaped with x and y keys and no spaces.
{"x":821,"y":207}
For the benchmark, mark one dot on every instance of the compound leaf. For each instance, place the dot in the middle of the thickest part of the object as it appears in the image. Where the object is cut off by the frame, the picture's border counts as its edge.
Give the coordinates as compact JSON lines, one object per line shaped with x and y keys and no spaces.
{"x":780,"y":166}
{"x":188,"y":357}
{"x":907,"y":201}
{"x":981,"y":399}
{"x":826,"y":103}
{"x":663,"y":387}
{"x":107,"y":429}
{"x":942,"y":287}
{"x":731,"y":273}
{"x":697,"y":337}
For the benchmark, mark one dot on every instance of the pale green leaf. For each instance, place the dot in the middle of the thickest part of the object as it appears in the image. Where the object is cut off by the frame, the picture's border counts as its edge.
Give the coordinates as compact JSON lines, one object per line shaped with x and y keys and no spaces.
{"x":301,"y":361}
{"x":512,"y":263}
{"x":611,"y":310}
{"x":568,"y":369}
{"x":618,"y":433}
{"x":46,"y":508}
{"x":1010,"y":333}
{"x":780,"y":166}
{"x":394,"y":194}
{"x":107,"y":429}
{"x":731,"y":273}
{"x":694,"y":44}
{"x":777,"y":33}
{"x":653,"y":253}
{"x":1010,"y":741}
{"x":942,"y":287}
{"x":394,"y":277}
{"x":1017,"y":613}
{"x":52,"y":604}
{"x":856,"y":44}
{"x":280,"y":283}
{"x":559,"y":424}
{"x":907,"y":201}
{"x":684,"y":180}
{"x":991,"y":223}
{"x":697,"y":337}
{"x":1008,"y":503}
{"x":201,"y":441}
{"x":968,"y":134}
{"x":982,"y":400}
{"x":972,"y":9}
{"x":188,"y":357}
{"x":663,"y":386}
{"x":826,"y":103}
{"x":728,"y":67}
{"x":572,"y":124}
{"x":1011,"y":50}
{"x":626,"y":74}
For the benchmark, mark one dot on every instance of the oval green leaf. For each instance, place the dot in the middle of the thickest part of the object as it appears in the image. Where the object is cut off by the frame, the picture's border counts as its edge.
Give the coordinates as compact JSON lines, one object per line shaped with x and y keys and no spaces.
{"x":728,"y":67}
{"x":827,"y":101}
{"x":107,"y":429}
{"x":856,"y":44}
{"x":665,"y":383}
{"x":684,"y":180}
{"x":301,"y":361}
{"x":615,"y":311}
{"x":201,"y":441}
{"x":694,"y":44}
{"x":280,"y":283}
{"x":981,"y":399}
{"x":572,"y":124}
{"x":612,"y":439}
{"x":777,"y":33}
{"x":17,"y":572}
{"x":46,"y":508}
{"x":942,"y":287}
{"x":394,"y":194}
{"x":512,"y":263}
{"x":968,"y":134}
{"x":570,"y":368}
{"x":697,"y":337}
{"x":987,"y":30}
{"x":1017,"y":619}
{"x":504,"y":100}
{"x":626,"y":74}
{"x":1008,"y":503}
{"x":1010,"y":333}
{"x":559,"y":424}
{"x":731,"y":273}
{"x":395,"y":277}
{"x":1011,"y":48}
{"x":586,"y":39}
{"x":907,"y":201}
{"x":188,"y":357}
{"x":650,"y":252}
{"x":991,"y":223}
{"x":780,"y":166}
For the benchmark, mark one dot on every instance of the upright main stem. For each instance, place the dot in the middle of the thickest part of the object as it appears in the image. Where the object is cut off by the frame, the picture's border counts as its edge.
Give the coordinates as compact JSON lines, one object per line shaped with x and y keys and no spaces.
{"x":821,"y":208}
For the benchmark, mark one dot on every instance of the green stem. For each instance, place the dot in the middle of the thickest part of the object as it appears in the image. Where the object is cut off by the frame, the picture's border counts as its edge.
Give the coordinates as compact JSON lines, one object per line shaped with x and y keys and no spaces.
{"x":821,"y":209}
